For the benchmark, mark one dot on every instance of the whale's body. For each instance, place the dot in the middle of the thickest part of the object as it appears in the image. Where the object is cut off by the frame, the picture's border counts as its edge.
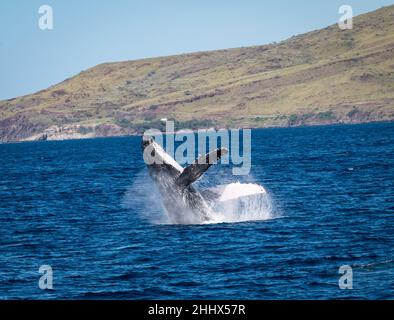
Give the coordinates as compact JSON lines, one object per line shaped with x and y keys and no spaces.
{"x":184,"y":203}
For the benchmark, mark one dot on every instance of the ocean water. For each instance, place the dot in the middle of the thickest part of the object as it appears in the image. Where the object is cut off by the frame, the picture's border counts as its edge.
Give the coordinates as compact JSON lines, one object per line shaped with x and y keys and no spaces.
{"x":89,"y":210}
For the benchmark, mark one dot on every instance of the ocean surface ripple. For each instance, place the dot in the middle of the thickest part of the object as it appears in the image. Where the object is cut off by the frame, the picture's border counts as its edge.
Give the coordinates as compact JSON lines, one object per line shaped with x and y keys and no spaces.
{"x":88,"y":209}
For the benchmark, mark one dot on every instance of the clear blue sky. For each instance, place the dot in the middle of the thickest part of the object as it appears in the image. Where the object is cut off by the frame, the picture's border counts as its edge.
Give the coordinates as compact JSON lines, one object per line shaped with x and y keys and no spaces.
{"x":89,"y":32}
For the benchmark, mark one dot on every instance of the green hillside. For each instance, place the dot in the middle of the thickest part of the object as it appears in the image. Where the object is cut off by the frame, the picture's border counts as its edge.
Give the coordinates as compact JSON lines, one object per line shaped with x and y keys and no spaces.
{"x":325,"y":76}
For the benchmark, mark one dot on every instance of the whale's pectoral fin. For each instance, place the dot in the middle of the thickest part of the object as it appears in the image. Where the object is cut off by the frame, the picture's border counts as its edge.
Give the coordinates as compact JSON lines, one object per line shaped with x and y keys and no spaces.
{"x":200,"y":165}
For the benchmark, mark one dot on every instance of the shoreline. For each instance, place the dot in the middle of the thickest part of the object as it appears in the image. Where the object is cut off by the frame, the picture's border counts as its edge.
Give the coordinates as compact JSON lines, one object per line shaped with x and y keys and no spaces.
{"x":87,"y":137}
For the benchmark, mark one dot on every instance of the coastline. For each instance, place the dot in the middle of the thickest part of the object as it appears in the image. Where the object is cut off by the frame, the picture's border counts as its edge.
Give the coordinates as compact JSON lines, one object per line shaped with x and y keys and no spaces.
{"x":74,"y":137}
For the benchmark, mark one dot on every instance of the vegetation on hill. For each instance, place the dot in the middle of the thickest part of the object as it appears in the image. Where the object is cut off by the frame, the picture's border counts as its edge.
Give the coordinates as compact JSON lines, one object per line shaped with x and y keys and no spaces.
{"x":321,"y":77}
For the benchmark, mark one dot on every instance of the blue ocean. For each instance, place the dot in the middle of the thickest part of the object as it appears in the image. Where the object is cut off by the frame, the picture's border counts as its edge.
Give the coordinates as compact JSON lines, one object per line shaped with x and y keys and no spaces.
{"x":88,"y":209}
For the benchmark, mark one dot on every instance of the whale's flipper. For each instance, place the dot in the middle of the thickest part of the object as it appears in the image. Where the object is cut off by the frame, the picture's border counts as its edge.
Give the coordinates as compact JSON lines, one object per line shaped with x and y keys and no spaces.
{"x":200,"y":165}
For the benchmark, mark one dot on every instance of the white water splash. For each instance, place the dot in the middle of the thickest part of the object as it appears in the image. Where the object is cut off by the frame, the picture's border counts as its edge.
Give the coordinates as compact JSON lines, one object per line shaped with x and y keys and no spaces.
{"x":235,"y":190}
{"x":241,"y":202}
{"x":143,"y":197}
{"x":237,"y":202}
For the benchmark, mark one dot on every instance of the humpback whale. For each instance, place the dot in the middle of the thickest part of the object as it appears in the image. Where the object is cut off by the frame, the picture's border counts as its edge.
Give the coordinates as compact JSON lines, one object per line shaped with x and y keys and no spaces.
{"x":184,"y":203}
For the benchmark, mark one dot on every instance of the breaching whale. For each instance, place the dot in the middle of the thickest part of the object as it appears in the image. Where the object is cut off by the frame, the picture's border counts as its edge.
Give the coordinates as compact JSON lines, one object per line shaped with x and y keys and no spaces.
{"x":184,"y":203}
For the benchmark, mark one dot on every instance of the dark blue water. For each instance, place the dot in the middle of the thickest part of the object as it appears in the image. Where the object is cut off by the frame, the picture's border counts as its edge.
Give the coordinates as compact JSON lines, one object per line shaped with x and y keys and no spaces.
{"x":79,"y":206}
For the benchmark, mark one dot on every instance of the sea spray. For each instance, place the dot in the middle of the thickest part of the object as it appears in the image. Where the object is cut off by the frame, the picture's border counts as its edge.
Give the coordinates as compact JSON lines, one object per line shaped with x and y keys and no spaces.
{"x":236,"y":202}
{"x":243,"y":202}
{"x":144,"y":196}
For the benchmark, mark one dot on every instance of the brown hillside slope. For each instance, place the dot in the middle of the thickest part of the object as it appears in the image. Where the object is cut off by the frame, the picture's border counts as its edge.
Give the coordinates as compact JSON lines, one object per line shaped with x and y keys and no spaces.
{"x":325,"y":76}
